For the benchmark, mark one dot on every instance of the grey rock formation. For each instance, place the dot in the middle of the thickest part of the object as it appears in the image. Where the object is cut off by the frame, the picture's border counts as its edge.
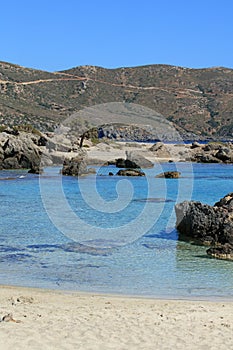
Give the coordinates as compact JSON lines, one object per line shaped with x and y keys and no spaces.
{"x":169,"y":175}
{"x":138,"y":159}
{"x":75,"y":166}
{"x":207,"y":225}
{"x":134,"y":160}
{"x":20,"y":150}
{"x":130,"y":172}
{"x":126,"y":163}
{"x":213,"y":152}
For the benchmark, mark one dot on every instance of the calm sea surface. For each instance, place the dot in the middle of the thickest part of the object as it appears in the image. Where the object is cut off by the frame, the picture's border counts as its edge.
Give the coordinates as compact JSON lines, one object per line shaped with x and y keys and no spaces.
{"x":110,"y":234}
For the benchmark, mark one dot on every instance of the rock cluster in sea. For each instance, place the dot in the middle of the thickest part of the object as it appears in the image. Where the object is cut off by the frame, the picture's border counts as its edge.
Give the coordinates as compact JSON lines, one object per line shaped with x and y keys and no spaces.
{"x":208,"y":225}
{"x":213,"y":152}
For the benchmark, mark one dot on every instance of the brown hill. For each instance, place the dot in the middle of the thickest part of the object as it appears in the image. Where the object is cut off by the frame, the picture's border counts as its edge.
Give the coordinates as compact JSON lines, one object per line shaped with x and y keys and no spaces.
{"x":196,"y":100}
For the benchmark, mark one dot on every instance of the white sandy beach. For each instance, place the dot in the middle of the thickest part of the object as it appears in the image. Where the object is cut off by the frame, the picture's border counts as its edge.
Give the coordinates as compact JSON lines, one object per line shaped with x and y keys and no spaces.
{"x":67,"y":320}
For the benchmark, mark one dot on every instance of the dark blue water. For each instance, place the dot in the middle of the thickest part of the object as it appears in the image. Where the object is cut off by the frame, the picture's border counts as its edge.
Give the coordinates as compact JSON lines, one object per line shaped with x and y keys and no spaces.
{"x":110,"y":234}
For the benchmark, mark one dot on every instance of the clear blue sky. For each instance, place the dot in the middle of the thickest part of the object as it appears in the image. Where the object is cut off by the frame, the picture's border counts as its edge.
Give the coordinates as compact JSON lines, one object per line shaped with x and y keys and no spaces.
{"x":55,"y":35}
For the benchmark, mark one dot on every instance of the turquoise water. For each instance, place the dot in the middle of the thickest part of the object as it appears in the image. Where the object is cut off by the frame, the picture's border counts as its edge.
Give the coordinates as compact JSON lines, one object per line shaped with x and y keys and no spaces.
{"x":125,"y":251}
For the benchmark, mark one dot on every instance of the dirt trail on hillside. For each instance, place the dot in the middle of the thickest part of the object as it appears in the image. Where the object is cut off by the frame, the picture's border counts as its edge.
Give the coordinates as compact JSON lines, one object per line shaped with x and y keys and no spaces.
{"x":85,"y":79}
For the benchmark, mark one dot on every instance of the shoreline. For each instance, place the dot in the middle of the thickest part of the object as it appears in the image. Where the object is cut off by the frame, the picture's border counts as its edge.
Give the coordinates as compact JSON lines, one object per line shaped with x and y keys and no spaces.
{"x":211,"y":299}
{"x":76,"y":320}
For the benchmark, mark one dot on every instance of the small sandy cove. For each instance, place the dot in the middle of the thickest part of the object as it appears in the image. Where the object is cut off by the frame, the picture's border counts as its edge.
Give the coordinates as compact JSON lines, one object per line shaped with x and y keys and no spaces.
{"x":44,"y":319}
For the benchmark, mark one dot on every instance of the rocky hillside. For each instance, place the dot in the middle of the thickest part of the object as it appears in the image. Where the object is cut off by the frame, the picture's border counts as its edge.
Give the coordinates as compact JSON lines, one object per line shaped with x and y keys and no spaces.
{"x":196,"y":100}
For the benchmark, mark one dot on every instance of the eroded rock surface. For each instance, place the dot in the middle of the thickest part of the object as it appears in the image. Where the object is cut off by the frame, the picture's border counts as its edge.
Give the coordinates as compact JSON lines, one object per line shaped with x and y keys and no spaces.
{"x":20,"y":150}
{"x":208,"y":225}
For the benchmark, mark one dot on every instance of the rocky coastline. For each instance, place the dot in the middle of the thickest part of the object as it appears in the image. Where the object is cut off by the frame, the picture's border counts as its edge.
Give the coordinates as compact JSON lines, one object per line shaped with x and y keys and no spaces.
{"x":25,"y":147}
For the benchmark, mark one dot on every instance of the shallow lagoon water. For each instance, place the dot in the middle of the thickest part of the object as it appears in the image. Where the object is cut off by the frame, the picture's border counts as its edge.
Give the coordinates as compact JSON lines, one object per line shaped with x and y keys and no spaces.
{"x":33,"y":252}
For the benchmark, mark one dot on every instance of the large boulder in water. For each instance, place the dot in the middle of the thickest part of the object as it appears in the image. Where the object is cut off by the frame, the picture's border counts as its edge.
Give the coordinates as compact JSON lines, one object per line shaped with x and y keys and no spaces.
{"x":207,"y":225}
{"x":76,"y":166}
{"x":19,"y":150}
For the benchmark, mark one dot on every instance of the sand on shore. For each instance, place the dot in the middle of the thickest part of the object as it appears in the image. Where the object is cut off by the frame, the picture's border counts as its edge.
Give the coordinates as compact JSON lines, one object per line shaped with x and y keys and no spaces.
{"x":69,"y":320}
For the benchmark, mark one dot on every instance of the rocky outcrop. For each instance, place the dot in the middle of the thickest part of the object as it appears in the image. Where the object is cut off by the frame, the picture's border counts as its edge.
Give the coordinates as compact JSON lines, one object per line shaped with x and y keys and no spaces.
{"x":207,"y":225}
{"x":130,"y":172}
{"x":126,"y":163}
{"x":169,"y":175}
{"x":139,"y":159}
{"x":20,"y":150}
{"x":214,"y":152}
{"x":134,"y":160}
{"x":76,"y":166}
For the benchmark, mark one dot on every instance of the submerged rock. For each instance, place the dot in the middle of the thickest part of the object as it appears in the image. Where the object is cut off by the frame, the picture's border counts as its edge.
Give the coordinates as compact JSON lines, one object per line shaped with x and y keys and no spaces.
{"x":81,"y":248}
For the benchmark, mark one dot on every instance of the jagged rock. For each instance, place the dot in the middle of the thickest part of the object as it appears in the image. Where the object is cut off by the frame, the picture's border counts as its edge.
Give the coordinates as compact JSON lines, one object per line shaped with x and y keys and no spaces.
{"x":212,"y":146}
{"x":138,"y":159}
{"x":75,"y":166}
{"x":169,"y":175}
{"x":224,"y":155}
{"x":205,"y":224}
{"x":126,"y":163}
{"x":19,"y":150}
{"x":130,"y":172}
{"x":205,"y":158}
{"x":226,"y":202}
{"x":213,"y":153}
